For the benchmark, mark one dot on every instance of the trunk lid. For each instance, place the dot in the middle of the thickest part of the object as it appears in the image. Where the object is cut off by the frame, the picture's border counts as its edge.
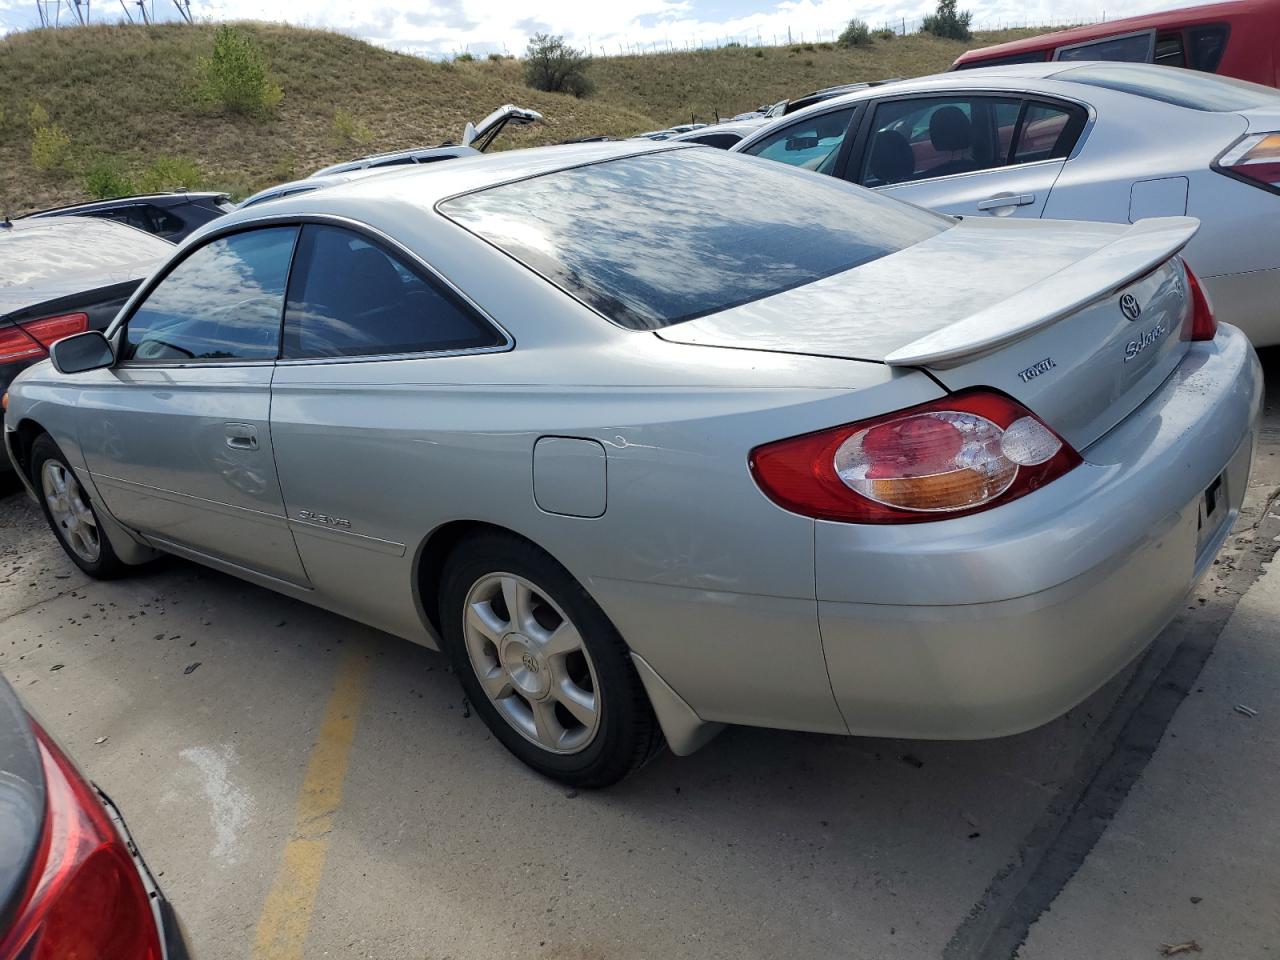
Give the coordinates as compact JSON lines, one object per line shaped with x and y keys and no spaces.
{"x":1031,"y":309}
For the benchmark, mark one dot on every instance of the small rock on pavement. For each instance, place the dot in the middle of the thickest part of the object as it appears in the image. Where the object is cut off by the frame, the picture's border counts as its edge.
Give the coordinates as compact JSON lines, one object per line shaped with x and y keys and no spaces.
{"x":101,"y":740}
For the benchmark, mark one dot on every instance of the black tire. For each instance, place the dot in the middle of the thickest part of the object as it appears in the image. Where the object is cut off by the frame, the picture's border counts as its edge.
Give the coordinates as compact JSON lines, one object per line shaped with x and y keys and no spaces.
{"x":106,"y":565}
{"x":627,"y":734}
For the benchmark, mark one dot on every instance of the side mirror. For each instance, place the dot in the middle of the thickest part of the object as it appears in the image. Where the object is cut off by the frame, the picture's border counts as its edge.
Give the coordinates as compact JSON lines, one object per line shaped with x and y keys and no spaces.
{"x":82,"y":352}
{"x":801,"y":143}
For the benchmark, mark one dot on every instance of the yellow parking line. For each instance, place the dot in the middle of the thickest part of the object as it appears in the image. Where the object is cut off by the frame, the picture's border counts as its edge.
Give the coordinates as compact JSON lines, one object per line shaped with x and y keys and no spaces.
{"x":286,"y":916}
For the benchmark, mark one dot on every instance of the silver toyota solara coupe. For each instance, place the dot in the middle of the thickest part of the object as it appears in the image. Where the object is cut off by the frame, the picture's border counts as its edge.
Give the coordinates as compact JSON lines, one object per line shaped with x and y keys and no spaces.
{"x":652,"y":439}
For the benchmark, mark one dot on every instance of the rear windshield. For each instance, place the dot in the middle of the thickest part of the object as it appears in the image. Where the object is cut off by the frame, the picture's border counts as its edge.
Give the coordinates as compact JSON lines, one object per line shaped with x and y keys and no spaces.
{"x":1182,"y":88}
{"x":653,"y":240}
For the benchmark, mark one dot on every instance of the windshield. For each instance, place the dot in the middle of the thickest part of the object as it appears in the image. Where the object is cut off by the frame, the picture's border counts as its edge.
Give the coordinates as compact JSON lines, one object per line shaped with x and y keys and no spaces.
{"x":657,"y":239}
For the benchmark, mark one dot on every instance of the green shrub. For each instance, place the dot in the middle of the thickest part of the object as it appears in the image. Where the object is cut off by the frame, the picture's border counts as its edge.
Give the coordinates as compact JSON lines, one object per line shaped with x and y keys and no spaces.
{"x":169,"y":173}
{"x":856,"y":34}
{"x":759,"y":53}
{"x":105,"y":179}
{"x":552,"y":65}
{"x":347,"y":129}
{"x":948,"y":22}
{"x":39,"y":117}
{"x":49,"y":147}
{"x":498,"y":57}
{"x":885,"y":34}
{"x":235,"y":75}
{"x":464,"y":57}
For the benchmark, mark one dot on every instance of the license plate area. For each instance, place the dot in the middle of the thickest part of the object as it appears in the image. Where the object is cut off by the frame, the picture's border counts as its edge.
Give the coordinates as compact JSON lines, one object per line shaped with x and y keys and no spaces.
{"x":1212,"y":514}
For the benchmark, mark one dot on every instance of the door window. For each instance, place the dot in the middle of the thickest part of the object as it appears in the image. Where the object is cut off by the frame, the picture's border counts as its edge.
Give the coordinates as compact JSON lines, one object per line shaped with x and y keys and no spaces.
{"x":1131,"y":48}
{"x":1206,"y":45}
{"x":928,"y":137}
{"x":350,"y":297}
{"x":223,"y":302}
{"x":813,"y":143}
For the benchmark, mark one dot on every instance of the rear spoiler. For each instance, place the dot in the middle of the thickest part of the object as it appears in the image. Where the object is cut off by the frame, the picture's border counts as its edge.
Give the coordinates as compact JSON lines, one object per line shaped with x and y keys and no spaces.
{"x":1134,"y":253}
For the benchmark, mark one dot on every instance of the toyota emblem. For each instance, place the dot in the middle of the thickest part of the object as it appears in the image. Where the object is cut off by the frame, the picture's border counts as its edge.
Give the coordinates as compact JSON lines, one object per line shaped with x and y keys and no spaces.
{"x":1130,"y":307}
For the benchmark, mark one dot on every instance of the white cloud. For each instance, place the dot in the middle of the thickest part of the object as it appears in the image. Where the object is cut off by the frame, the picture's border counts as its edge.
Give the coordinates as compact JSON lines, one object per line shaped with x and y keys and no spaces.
{"x":443,"y":27}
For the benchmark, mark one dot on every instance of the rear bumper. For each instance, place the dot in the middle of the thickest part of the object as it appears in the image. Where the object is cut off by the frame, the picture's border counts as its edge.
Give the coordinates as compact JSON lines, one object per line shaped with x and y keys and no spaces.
{"x":173,"y":937}
{"x":993,"y":624}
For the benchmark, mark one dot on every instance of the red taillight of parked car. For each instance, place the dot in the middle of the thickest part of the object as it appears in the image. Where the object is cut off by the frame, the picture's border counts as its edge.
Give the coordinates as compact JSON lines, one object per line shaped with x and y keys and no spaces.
{"x":947,"y":458}
{"x":1204,"y":326}
{"x":1254,"y":159}
{"x":31,"y":340}
{"x":85,"y":899}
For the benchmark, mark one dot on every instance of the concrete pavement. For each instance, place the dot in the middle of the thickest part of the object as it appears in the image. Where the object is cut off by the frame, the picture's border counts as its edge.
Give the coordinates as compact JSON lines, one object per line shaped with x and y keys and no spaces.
{"x":1193,"y":855}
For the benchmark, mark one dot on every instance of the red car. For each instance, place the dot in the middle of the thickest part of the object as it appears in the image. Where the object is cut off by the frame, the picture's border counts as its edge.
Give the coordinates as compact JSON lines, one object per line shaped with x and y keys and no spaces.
{"x":1238,"y":39}
{"x":72,"y":883}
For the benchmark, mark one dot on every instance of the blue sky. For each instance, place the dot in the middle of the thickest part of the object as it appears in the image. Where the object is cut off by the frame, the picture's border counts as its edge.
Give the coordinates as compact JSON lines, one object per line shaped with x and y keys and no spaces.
{"x":444,"y":27}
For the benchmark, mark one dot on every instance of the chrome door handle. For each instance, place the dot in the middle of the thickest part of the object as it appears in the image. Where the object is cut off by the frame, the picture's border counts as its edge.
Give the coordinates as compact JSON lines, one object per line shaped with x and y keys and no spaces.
{"x":242,"y":436}
{"x":1007,"y":200}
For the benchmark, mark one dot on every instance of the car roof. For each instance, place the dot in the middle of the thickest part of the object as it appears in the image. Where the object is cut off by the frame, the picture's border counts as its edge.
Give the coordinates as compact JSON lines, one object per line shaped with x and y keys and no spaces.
{"x":444,"y":152}
{"x":318,"y":181}
{"x":423,"y":187}
{"x":48,"y":258}
{"x":1022,"y":77}
{"x":1185,"y":16}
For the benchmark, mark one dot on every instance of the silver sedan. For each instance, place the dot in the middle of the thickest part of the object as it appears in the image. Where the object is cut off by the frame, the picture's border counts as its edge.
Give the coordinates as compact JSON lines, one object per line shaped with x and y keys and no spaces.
{"x":645,"y":460}
{"x":1113,"y":142}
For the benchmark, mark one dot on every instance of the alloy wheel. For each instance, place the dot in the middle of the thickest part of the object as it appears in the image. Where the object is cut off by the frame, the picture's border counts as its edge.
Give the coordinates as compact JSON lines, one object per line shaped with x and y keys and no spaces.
{"x":72,"y":516}
{"x":532,"y":662}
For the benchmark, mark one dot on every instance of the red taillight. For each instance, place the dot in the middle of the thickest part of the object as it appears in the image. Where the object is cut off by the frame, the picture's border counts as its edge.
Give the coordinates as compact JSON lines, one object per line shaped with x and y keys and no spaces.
{"x":943,"y":459}
{"x":1203,"y":324}
{"x":31,"y":340}
{"x":1255,"y":159}
{"x":85,"y":899}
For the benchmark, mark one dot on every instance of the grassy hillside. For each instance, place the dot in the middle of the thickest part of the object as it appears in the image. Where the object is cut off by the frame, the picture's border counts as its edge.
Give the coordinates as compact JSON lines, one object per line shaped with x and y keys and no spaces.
{"x":731,"y":80}
{"x":124,"y":96}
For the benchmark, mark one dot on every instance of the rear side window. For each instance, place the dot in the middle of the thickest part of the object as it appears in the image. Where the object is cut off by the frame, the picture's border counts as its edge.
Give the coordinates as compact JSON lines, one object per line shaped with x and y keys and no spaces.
{"x":350,"y":297}
{"x":649,"y":241}
{"x":1047,"y":131}
{"x":1133,"y":48}
{"x":1182,"y":88}
{"x":223,"y":302}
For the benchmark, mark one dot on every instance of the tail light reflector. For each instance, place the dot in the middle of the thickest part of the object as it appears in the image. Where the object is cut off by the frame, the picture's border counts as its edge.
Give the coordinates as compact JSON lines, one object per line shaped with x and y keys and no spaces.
{"x":1204,"y":326}
{"x":85,"y":898}
{"x":1255,"y":159}
{"x":946,"y":458}
{"x":31,"y":340}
